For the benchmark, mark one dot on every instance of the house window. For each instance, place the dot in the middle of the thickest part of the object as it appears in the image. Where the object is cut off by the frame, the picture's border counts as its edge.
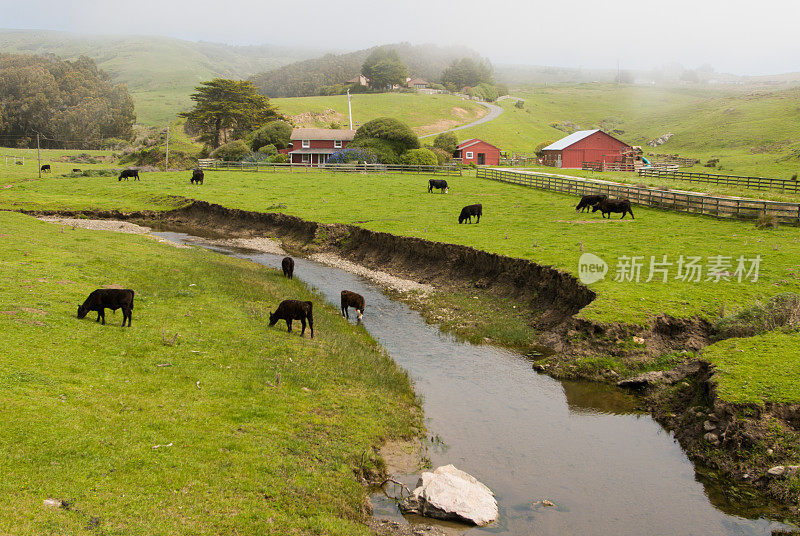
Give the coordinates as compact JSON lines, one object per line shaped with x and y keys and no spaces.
{"x":306,"y":144}
{"x":306,"y":158}
{"x":337,"y":144}
{"x":468,"y":156}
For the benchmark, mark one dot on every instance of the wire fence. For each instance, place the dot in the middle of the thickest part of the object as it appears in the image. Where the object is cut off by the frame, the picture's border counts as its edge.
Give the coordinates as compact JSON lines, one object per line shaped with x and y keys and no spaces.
{"x":336,"y":168}
{"x":693,"y":203}
{"x":756,"y":183}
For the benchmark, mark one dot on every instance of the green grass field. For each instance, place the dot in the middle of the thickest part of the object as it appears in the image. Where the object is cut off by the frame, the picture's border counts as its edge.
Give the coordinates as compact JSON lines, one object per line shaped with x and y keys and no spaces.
{"x":752,"y":131}
{"x":143,"y":436}
{"x":423,"y":113}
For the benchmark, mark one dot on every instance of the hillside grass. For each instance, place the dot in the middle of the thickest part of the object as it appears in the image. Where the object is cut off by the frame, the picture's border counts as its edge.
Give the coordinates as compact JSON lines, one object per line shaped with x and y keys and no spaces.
{"x":422,"y":112}
{"x":753,"y":131}
{"x":518,"y":221}
{"x":187,"y":436}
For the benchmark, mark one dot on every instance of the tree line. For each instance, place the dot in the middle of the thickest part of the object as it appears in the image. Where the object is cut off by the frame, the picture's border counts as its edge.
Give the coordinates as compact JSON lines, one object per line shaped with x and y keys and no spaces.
{"x":69,"y":103}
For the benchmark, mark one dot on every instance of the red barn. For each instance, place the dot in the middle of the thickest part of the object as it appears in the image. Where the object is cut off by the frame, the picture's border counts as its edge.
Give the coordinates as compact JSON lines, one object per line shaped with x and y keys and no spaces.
{"x":584,"y":146}
{"x":478,"y":152}
{"x":314,"y":145}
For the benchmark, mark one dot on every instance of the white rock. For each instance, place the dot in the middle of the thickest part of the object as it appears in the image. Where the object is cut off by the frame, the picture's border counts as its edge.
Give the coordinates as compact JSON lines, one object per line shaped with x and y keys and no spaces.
{"x":709,"y":426}
{"x":53,"y":503}
{"x":778,"y":470}
{"x":449,"y":493}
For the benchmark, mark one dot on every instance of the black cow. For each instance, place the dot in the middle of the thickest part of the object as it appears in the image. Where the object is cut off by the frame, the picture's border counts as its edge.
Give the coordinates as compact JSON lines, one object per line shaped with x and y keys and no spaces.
{"x":607,"y":206}
{"x":129,"y":173}
{"x":287,"y":265}
{"x":356,"y":301}
{"x":109,"y":298}
{"x":45,"y":167}
{"x":197,"y":176}
{"x":588,"y":201}
{"x":294,"y":310}
{"x":440,"y":184}
{"x":76,"y":170}
{"x":469,"y":211}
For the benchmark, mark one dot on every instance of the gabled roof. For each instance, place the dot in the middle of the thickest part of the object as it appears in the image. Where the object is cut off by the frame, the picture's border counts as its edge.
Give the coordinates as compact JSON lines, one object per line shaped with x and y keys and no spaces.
{"x":575,"y":137}
{"x":323,"y":134}
{"x":415,"y":81}
{"x":471,"y":142}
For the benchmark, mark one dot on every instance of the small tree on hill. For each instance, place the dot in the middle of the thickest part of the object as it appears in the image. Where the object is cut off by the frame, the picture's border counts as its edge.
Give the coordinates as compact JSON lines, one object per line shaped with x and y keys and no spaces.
{"x":446,"y":141}
{"x":224,"y":107}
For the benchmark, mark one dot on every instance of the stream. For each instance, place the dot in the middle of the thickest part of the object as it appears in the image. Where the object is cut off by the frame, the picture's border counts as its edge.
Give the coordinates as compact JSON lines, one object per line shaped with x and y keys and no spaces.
{"x":609,"y":469}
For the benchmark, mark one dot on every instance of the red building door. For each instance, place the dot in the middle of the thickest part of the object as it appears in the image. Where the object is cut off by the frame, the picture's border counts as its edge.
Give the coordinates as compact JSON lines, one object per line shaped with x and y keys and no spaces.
{"x":481,"y":159}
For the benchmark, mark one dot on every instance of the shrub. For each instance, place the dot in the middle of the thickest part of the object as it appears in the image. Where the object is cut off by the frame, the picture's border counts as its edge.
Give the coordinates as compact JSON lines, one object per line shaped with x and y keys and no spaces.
{"x":353,"y":154}
{"x":538,"y":149}
{"x":442,"y":156}
{"x":231,"y":152}
{"x":281,"y":159}
{"x":269,"y":150}
{"x":520,"y":104}
{"x":398,"y":134}
{"x":438,"y":87}
{"x":766,"y":221}
{"x":275,"y":133}
{"x":256,"y":156}
{"x":383,"y":150}
{"x":418,"y":157}
{"x":446,"y":141}
{"x":712,"y":163}
{"x":794,"y":177}
{"x":780,"y":311}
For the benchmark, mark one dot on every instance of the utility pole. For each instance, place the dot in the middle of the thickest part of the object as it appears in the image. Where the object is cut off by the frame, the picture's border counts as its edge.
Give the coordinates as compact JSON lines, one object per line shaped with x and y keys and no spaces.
{"x":349,"y":109}
{"x":166,"y":157}
{"x":38,"y":155}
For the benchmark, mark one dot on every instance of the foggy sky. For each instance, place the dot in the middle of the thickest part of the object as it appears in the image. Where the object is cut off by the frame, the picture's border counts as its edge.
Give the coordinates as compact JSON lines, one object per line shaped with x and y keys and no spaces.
{"x":737,"y":36}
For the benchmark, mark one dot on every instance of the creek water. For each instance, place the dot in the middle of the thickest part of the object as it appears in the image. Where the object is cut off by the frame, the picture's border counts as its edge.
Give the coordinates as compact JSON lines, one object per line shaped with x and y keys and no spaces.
{"x":609,"y":469}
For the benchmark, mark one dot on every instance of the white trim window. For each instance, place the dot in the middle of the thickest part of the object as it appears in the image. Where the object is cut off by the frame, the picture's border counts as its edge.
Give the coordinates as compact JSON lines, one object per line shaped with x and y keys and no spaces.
{"x":468,"y":155}
{"x":306,"y":144}
{"x":337,"y":144}
{"x":306,"y":158}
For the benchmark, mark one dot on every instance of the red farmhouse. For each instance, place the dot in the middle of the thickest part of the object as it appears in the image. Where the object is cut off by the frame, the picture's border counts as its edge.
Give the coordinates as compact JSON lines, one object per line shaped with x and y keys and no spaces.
{"x":313,"y":146}
{"x":478,"y":152}
{"x":584,"y":146}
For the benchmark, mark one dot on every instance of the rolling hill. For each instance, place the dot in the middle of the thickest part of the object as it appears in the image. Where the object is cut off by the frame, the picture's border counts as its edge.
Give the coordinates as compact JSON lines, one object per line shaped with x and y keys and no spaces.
{"x":161,"y":72}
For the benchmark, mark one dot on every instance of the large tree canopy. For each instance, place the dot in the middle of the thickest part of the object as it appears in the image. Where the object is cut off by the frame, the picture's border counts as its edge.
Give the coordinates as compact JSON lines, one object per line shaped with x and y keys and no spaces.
{"x":227,"y":109}
{"x":396,"y":133}
{"x":467,"y":72}
{"x":70,"y":103}
{"x":384,"y":69}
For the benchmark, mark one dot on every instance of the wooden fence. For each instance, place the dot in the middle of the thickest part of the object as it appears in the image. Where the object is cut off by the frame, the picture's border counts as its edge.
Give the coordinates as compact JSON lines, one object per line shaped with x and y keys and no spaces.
{"x":756,"y":183}
{"x":218,"y":165}
{"x":721,"y":207}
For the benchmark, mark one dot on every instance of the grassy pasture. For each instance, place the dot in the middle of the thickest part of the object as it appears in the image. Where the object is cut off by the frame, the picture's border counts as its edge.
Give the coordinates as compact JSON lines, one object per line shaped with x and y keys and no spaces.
{"x":143,"y":436}
{"x":520,"y":222}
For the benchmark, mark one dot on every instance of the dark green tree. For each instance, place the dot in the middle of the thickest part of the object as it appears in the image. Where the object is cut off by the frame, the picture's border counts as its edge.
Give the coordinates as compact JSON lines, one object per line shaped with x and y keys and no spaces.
{"x":467,"y":72}
{"x":396,"y":133}
{"x":446,"y":141}
{"x":384,"y":68}
{"x":275,"y":133}
{"x":227,"y":110}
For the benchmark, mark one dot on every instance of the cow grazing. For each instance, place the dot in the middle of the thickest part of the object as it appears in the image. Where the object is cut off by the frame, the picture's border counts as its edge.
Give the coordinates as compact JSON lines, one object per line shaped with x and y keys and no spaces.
{"x":45,"y":167}
{"x":469,"y":211}
{"x":294,"y":310}
{"x":607,"y":206}
{"x":440,"y":184}
{"x":588,"y":201}
{"x":197,"y":176}
{"x":109,"y":298}
{"x":287,"y":265}
{"x":129,"y":173}
{"x":76,"y":170}
{"x":356,"y":301}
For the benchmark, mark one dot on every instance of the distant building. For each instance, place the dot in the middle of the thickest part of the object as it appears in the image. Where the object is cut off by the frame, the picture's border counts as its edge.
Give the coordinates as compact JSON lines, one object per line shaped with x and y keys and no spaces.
{"x":477,"y":152}
{"x":313,"y":146}
{"x":418,"y":83}
{"x":585,"y":146}
{"x":360,"y":80}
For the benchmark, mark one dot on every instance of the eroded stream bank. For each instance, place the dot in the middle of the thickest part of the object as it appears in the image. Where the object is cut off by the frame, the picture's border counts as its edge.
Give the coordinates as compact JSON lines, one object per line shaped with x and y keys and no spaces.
{"x":541,"y":297}
{"x":608,"y":468}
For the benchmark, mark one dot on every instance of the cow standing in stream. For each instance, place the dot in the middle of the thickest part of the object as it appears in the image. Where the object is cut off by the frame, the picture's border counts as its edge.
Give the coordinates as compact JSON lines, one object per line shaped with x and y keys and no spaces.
{"x":356,"y":301}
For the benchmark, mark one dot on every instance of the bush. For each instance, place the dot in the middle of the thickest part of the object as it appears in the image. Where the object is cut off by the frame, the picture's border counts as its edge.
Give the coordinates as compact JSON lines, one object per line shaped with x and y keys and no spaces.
{"x":781,"y":311}
{"x":281,"y":159}
{"x":231,"y":152}
{"x":269,"y":150}
{"x":353,"y":154}
{"x":277,"y":133}
{"x":766,"y":221}
{"x":419,"y":157}
{"x":712,"y":163}
{"x":395,"y":132}
{"x":257,"y":156}
{"x":442,"y":156}
{"x":446,"y":141}
{"x":383,"y":150}
{"x":538,"y":149}
{"x":438,"y":87}
{"x":519,"y":104}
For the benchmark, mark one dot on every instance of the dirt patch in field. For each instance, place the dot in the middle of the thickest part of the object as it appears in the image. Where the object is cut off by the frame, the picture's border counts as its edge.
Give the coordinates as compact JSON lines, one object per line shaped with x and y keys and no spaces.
{"x":604,"y":220}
